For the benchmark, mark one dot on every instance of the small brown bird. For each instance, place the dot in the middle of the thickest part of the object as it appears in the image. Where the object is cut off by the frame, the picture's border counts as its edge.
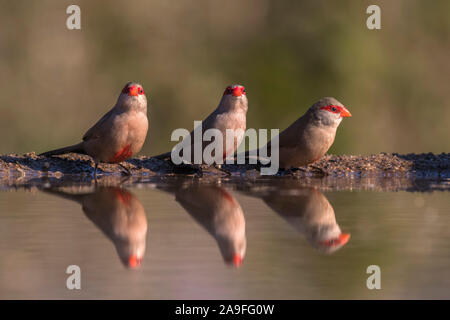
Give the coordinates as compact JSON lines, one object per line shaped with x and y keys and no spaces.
{"x":121,"y":217}
{"x":310,"y":213}
{"x":309,"y":138}
{"x":119,"y":134}
{"x":230,"y":114}
{"x":221,"y":215}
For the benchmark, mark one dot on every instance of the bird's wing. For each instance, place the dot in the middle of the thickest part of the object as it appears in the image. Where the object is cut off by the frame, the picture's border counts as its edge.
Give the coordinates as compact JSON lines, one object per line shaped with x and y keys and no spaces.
{"x":210,"y":121}
{"x":94,"y":131}
{"x":288,"y":138}
{"x":293,"y":135}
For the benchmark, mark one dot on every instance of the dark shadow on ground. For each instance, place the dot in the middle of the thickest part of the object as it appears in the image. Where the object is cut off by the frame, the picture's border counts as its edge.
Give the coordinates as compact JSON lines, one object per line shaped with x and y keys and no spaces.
{"x":428,"y":164}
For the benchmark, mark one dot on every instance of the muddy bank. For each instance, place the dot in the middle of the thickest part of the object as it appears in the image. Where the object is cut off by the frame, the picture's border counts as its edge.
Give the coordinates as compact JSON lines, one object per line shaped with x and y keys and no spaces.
{"x":76,"y":167}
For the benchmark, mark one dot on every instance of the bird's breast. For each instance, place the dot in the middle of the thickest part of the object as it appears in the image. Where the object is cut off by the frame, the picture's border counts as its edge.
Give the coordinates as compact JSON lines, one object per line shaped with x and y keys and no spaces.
{"x":129,"y":136}
{"x":123,"y":154}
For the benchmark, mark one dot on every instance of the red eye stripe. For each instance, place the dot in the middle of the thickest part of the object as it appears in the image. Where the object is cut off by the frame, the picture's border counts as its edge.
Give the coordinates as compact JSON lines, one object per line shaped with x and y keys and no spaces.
{"x":228,"y":90}
{"x":332,"y":108}
{"x":235,"y":91}
{"x":132,"y":90}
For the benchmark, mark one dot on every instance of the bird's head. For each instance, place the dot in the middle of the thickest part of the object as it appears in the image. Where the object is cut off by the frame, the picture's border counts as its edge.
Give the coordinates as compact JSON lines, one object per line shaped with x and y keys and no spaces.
{"x":329,"y":111}
{"x":326,"y":237}
{"x":235,"y":258}
{"x":334,"y":243}
{"x":234,"y":96}
{"x":233,"y":249}
{"x":235,"y":90}
{"x":133,"y":96}
{"x":130,"y":253}
{"x":134,"y":261}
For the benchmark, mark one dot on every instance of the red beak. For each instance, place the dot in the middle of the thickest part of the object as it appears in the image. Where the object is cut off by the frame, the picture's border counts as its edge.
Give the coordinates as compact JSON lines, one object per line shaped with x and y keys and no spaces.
{"x":341,"y":240}
{"x":237,"y":260}
{"x":133,"y":91}
{"x":345,"y":113}
{"x":237,"y":92}
{"x":134,"y":261}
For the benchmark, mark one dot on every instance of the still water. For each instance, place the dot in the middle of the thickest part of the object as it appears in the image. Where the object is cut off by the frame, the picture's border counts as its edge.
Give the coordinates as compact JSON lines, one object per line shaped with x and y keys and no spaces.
{"x":233,"y":240}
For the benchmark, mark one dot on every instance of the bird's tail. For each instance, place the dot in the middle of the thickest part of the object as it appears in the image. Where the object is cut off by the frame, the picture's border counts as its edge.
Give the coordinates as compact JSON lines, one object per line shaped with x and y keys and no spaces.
{"x":76,"y":148}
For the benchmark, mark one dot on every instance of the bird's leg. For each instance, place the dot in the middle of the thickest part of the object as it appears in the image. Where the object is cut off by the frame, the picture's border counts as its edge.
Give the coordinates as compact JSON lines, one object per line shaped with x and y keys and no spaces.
{"x":95,"y":171}
{"x":128,"y":172}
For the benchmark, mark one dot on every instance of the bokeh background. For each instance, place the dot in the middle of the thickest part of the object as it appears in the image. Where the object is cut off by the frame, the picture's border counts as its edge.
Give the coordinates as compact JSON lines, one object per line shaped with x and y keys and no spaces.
{"x":55,"y":83}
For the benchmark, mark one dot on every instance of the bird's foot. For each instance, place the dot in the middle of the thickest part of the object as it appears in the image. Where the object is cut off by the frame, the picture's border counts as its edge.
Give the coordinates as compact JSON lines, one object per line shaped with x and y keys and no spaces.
{"x":319,"y":170}
{"x":127,"y":171}
{"x":95,"y":172}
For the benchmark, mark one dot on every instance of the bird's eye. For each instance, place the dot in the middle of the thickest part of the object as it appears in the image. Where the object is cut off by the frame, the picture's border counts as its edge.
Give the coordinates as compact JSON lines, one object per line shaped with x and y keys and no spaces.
{"x":125,"y":90}
{"x":140,"y":91}
{"x":243,"y":91}
{"x":331,"y":108}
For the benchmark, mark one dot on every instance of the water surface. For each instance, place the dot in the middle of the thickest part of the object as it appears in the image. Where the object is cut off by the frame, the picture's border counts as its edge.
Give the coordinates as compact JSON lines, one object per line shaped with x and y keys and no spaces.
{"x":189,"y":240}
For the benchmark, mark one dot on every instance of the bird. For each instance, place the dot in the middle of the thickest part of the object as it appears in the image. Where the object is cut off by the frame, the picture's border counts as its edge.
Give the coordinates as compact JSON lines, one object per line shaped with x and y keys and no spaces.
{"x":231,"y":113}
{"x":309,"y":137}
{"x":310,"y":213}
{"x":221,"y":215}
{"x":119,"y":215}
{"x":119,"y":134}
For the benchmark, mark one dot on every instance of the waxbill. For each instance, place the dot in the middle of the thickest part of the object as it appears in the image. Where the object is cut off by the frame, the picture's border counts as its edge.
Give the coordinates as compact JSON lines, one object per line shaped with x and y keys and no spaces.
{"x":231,"y":113}
{"x":311,"y":214}
{"x":309,"y":138}
{"x":119,"y":134}
{"x":121,"y":217}
{"x":221,"y":215}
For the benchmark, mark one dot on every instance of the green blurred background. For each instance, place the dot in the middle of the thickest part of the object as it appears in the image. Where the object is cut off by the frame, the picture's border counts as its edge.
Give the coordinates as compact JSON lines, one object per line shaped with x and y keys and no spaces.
{"x":55,"y":83}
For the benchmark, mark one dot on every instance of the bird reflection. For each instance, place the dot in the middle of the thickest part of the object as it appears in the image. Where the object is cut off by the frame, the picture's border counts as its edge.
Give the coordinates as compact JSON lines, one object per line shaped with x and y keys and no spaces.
{"x":121,"y":217}
{"x":310,"y":213}
{"x":221,"y":215}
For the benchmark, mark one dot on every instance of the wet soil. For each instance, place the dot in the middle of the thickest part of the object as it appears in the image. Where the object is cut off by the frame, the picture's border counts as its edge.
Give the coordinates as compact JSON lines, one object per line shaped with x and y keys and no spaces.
{"x":381,"y":171}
